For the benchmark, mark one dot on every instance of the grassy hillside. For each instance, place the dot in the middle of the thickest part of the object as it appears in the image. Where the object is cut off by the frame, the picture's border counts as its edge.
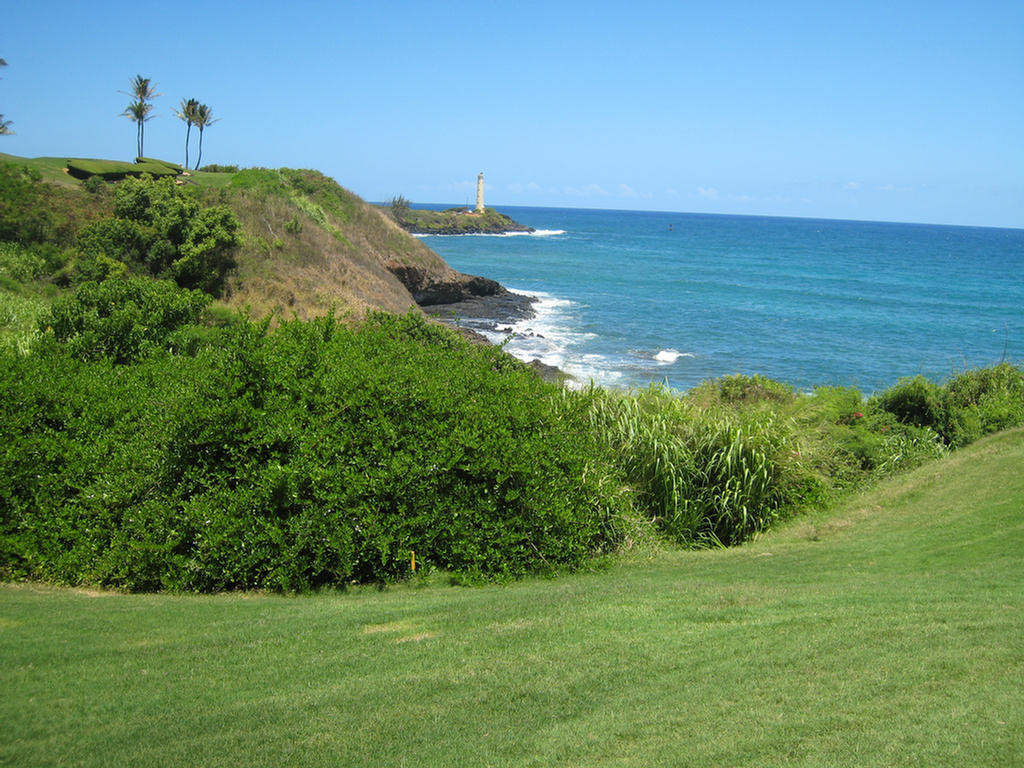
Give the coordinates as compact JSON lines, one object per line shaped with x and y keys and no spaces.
{"x":308,"y":246}
{"x":311,"y":246}
{"x":886,"y":632}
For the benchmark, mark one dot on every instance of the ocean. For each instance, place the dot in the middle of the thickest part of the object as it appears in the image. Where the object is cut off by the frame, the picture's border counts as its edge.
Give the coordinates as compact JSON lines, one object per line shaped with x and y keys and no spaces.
{"x":625,"y":298}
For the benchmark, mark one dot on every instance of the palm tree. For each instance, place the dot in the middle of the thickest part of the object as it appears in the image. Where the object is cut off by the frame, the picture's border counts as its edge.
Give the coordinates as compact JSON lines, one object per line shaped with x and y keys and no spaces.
{"x":188,"y":114}
{"x":5,"y":125}
{"x":139,"y":112}
{"x":143,"y":91}
{"x":203,"y":118}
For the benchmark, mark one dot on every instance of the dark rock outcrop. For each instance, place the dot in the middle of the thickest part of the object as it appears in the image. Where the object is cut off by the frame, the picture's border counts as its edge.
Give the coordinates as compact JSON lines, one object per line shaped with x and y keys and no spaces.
{"x":430,"y":288}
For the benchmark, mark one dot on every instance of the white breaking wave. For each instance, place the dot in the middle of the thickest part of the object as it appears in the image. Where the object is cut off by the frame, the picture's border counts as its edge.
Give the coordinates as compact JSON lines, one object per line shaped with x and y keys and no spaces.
{"x":550,"y":337}
{"x":535,"y":233}
{"x":669,"y":356}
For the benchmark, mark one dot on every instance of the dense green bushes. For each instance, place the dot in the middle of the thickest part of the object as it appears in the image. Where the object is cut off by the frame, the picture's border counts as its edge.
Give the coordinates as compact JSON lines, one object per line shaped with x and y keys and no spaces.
{"x":146,"y":446}
{"x":287,"y":460}
{"x":141,"y":226}
{"x":34,"y":213}
{"x":161,"y":230}
{"x":968,"y":406}
{"x":123,"y":320}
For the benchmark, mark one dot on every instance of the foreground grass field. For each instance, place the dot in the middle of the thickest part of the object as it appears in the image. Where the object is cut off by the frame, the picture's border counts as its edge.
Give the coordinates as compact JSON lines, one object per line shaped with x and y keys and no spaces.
{"x":889,"y":631}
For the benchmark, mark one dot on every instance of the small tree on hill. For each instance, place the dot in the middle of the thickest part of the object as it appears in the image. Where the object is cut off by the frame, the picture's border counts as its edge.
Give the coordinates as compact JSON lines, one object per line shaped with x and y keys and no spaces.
{"x":399,"y":208}
{"x":138,"y":110}
{"x":188,"y":114}
{"x":203,"y":118}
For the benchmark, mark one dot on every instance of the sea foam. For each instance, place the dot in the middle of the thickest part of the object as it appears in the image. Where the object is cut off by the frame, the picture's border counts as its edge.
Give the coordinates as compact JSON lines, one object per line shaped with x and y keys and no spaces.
{"x":669,"y":356}
{"x":552,"y":336}
{"x":535,"y":233}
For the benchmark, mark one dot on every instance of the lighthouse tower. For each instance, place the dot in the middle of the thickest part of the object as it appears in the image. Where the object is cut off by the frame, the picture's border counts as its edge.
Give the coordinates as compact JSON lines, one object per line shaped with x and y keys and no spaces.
{"x":480,"y":192}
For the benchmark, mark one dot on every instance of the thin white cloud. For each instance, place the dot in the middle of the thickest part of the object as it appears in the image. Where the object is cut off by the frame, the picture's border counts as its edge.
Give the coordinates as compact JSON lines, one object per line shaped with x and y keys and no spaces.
{"x":709,"y":192}
{"x":852,"y":185}
{"x":589,"y":190}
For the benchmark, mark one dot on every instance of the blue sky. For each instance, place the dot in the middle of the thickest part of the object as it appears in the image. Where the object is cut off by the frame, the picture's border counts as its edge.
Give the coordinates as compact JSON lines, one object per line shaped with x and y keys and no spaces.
{"x":896,"y":111}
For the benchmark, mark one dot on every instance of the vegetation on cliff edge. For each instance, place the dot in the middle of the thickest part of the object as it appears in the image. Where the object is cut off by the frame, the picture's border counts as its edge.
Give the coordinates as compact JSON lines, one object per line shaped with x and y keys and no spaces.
{"x":454,"y":221}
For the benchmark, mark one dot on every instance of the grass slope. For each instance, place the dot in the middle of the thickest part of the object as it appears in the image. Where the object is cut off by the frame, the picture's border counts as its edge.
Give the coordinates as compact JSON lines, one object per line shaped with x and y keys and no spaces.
{"x":309,"y":246}
{"x":887,"y":632}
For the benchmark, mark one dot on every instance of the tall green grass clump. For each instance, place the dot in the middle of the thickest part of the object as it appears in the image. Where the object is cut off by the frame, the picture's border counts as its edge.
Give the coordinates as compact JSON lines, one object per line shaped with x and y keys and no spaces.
{"x":707,"y":476}
{"x":18,"y":322}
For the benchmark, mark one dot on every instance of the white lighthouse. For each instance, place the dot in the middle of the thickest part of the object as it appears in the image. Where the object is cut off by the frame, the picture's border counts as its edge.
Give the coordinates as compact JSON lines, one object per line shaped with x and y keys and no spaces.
{"x":480,"y":192}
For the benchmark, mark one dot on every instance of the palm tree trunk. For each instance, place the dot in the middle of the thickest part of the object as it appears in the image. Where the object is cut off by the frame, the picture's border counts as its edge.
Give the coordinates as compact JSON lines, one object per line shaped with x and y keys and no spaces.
{"x":188,"y":130}
{"x":200,"y":158}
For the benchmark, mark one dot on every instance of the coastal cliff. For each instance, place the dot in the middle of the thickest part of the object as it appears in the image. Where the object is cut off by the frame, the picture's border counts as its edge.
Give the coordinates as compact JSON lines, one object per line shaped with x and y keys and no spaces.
{"x":306,"y":246}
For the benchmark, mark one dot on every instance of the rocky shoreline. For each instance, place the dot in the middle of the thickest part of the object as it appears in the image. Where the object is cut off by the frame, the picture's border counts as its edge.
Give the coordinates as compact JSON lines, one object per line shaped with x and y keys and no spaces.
{"x":498,"y":229}
{"x":476,"y":316}
{"x":475,"y":306}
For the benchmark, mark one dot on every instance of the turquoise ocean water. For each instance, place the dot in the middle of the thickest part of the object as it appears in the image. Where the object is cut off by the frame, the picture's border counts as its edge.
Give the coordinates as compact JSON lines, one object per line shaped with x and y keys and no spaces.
{"x":629,"y":297}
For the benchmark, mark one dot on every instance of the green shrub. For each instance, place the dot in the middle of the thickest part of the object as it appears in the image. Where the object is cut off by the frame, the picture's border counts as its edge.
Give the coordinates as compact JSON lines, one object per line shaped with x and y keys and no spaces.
{"x":916,"y":401}
{"x":881,"y":444}
{"x":968,"y":406}
{"x":983,"y":401}
{"x":214,"y":168}
{"x":94,"y":185}
{"x":27,"y":263}
{"x":316,"y":454}
{"x":839,"y":405}
{"x":122,"y":320}
{"x":206,"y":253}
{"x":120,"y":239}
{"x":34,"y":212}
{"x":162,"y":229}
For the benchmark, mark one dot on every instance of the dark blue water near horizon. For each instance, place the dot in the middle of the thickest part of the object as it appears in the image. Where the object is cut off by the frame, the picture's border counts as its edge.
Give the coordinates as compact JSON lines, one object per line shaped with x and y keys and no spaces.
{"x":630,"y":297}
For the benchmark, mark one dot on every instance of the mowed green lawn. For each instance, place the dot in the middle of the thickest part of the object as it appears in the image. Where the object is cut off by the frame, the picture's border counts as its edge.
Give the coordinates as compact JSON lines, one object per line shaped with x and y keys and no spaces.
{"x":887,"y":632}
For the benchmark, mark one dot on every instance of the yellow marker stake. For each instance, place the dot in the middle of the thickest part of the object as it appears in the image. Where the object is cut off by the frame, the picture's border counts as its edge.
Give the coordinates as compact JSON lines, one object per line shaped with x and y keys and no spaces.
{"x":413,"y":555}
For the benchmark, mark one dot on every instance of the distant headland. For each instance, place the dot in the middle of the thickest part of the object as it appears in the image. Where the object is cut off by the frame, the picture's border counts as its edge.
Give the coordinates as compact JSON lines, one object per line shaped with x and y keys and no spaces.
{"x":481,"y":220}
